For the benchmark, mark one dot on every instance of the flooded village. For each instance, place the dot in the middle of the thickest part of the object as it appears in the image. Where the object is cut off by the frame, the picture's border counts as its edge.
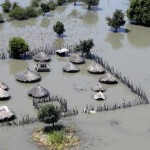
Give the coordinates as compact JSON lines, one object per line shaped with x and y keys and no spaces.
{"x":60,"y":94}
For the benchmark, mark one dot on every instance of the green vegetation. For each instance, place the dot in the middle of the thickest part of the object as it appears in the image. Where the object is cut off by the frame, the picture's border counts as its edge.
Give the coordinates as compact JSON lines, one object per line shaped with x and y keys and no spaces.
{"x":139,"y":12}
{"x":85,"y":46}
{"x":117,"y":20}
{"x":1,"y":18}
{"x":91,"y":3}
{"x":17,"y":46}
{"x":49,"y":114}
{"x":59,"y":28}
{"x":60,"y":2}
{"x":6,"y":6}
{"x":52,"y":5}
{"x":45,"y":8}
{"x":35,"y":3}
{"x":31,"y":12}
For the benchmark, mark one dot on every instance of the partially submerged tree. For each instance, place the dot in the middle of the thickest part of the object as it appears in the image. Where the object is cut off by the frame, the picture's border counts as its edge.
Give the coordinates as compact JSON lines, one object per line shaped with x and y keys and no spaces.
{"x":117,"y":20}
{"x":139,"y":12}
{"x":17,"y":46}
{"x":91,"y":3}
{"x":49,"y":114}
{"x":1,"y":18}
{"x":85,"y":46}
{"x":59,"y":28}
{"x":45,"y":8}
{"x":6,"y":6}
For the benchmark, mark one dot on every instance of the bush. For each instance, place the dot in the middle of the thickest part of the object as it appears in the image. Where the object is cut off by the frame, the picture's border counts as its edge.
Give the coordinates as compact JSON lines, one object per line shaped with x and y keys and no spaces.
{"x":139,"y":12}
{"x":34,"y":3}
{"x":49,"y":114}
{"x":45,"y":8}
{"x":31,"y":12}
{"x":52,"y":5}
{"x":18,"y":13}
{"x":6,"y":6}
{"x":17,"y":46}
{"x":1,"y":18}
{"x":60,"y":2}
{"x":14,"y":5}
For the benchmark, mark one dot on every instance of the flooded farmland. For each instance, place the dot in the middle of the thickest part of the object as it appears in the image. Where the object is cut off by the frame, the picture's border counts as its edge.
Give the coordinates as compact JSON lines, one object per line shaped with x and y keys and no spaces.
{"x":128,"y":52}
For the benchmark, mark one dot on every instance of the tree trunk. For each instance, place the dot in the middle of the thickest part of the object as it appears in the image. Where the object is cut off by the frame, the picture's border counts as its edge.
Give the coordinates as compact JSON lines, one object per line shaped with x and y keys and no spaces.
{"x":89,"y":7}
{"x":53,"y":124}
{"x":116,"y":29}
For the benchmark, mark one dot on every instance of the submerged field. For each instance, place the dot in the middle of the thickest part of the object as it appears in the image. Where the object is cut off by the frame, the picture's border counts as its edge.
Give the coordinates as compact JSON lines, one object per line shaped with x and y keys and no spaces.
{"x":128,"y":52}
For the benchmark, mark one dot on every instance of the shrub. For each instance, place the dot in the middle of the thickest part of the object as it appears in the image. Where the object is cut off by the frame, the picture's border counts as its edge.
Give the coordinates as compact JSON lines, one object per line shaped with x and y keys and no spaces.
{"x":45,"y":8}
{"x":49,"y":114}
{"x":18,"y":13}
{"x":1,"y":18}
{"x":34,"y":3}
{"x":52,"y":5}
{"x":31,"y":12}
{"x":14,"y":5}
{"x":6,"y":6}
{"x":60,"y":2}
{"x":17,"y":46}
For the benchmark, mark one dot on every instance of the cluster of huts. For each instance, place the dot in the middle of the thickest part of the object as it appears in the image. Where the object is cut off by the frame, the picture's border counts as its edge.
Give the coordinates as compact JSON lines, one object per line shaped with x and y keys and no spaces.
{"x":42,"y":65}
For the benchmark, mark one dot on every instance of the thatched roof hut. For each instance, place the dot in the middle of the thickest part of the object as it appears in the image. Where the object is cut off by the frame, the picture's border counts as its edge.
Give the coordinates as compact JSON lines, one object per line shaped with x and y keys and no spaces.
{"x":96,"y":68}
{"x":70,"y":67}
{"x":99,"y":96}
{"x":98,"y":87}
{"x":41,"y":56}
{"x":3,"y":86}
{"x":6,"y":114}
{"x":108,"y":79}
{"x":76,"y":59}
{"x":4,"y":94}
{"x":28,"y":76}
{"x":38,"y":92}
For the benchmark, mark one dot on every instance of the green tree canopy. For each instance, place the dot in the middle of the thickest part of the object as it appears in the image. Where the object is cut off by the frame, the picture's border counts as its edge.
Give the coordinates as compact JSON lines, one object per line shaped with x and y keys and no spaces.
{"x":139,"y":12}
{"x":85,"y":46}
{"x":1,"y":18}
{"x":6,"y":6}
{"x":91,"y":3}
{"x":49,"y":114}
{"x":59,"y":28}
{"x":17,"y":46}
{"x":117,"y":20}
{"x":45,"y":8}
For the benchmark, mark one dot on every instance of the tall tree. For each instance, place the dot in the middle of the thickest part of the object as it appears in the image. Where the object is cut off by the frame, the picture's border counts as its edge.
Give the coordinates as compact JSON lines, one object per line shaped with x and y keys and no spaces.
{"x":91,"y":3}
{"x":6,"y":6}
{"x":85,"y":46}
{"x":139,"y":12}
{"x":117,"y":20}
{"x":59,"y":28}
{"x":45,"y":8}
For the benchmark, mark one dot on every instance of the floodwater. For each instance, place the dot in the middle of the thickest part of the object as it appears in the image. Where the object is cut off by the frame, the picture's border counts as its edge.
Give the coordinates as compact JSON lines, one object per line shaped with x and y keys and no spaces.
{"x":128,"y":52}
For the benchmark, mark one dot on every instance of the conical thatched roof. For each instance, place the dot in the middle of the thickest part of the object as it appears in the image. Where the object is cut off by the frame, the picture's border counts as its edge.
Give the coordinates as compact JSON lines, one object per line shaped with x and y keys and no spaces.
{"x":99,"y":96}
{"x":77,"y":59}
{"x":41,"y":56}
{"x":70,"y":67}
{"x":38,"y":92}
{"x":109,"y":79}
{"x":28,"y":76}
{"x":98,"y":87}
{"x":4,"y":94}
{"x":6,"y":114}
{"x":96,"y":68}
{"x":3,"y":86}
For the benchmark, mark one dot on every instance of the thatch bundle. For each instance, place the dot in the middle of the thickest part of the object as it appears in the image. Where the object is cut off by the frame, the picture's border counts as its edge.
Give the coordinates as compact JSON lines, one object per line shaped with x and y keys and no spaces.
{"x":4,"y":94}
{"x":76,"y":59}
{"x":96,"y":68}
{"x":3,"y":86}
{"x":38,"y":92}
{"x":99,"y":96}
{"x":41,"y":56}
{"x":108,"y":79}
{"x":6,"y":114}
{"x":98,"y":87}
{"x":70,"y":67}
{"x":28,"y":76}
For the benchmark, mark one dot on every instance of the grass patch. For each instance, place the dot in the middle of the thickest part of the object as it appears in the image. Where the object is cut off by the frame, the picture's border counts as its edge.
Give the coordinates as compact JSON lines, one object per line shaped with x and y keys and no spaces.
{"x":57,"y":138}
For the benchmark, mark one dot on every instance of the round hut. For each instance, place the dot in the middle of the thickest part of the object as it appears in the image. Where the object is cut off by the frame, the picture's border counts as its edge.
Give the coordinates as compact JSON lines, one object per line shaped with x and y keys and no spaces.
{"x":6,"y":114}
{"x":96,"y":69}
{"x":108,"y":79}
{"x":38,"y":92}
{"x":76,"y":59}
{"x":28,"y":76}
{"x":99,"y":96}
{"x":3,"y":86}
{"x":70,"y":67}
{"x":41,"y":56}
{"x":4,"y":94}
{"x":98,"y":87}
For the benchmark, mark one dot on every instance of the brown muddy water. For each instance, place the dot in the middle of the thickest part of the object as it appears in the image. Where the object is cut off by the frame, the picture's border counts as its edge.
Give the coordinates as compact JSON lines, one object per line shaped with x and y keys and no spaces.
{"x":128,"y":52}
